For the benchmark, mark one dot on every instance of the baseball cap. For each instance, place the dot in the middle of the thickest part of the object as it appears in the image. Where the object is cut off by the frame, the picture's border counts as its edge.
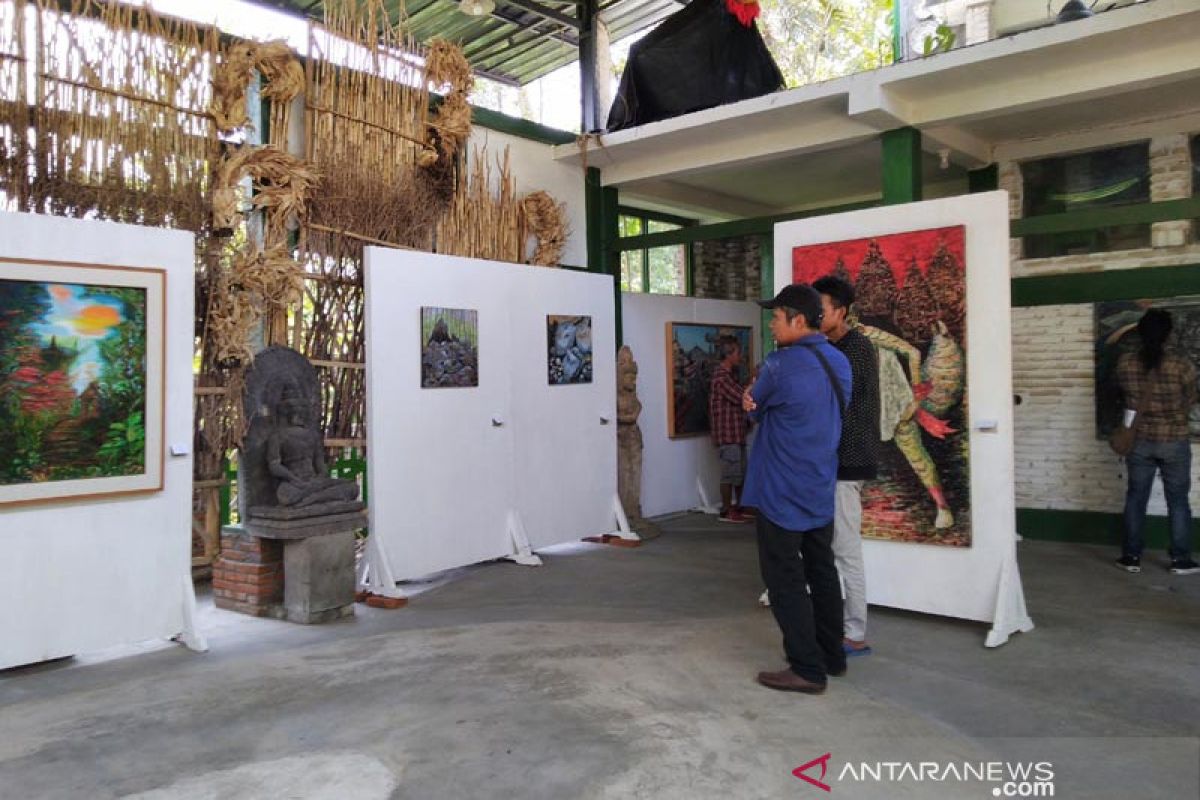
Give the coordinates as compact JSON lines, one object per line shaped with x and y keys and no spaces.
{"x":802,"y":298}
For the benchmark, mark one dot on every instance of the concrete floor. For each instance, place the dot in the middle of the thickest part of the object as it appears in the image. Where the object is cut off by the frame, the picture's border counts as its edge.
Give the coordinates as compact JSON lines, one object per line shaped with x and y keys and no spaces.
{"x":615,"y":673}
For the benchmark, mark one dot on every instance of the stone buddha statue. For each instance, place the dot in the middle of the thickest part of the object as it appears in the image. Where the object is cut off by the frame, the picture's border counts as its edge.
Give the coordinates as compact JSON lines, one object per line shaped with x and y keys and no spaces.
{"x":296,"y":458}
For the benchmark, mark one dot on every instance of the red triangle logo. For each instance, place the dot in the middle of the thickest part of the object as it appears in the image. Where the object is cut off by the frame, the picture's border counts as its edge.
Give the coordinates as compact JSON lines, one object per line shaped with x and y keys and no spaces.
{"x":824,"y":762}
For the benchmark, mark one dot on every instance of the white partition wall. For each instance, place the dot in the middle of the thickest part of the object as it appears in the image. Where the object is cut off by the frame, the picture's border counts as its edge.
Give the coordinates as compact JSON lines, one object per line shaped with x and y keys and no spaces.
{"x":979,"y":582}
{"x":454,"y":470}
{"x":85,"y":574}
{"x":673,"y":469}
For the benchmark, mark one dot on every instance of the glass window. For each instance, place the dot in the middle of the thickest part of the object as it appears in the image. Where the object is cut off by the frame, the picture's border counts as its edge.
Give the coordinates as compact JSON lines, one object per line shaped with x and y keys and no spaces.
{"x":632,"y":263}
{"x":1113,"y":177}
{"x":658,"y":226}
{"x":668,"y":269}
{"x":630,"y":226}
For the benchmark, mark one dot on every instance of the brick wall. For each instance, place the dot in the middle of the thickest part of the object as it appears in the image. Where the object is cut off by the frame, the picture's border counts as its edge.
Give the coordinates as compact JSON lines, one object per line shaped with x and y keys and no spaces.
{"x":727,"y":269}
{"x":248,"y":575}
{"x":1060,"y":464}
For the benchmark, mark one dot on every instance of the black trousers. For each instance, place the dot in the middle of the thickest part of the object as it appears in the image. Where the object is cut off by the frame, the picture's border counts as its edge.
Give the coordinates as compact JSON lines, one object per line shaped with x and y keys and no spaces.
{"x":806,"y":597}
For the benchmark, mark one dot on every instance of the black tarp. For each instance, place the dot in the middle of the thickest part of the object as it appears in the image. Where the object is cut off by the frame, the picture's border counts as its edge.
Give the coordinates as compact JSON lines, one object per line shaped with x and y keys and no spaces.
{"x":697,"y":58}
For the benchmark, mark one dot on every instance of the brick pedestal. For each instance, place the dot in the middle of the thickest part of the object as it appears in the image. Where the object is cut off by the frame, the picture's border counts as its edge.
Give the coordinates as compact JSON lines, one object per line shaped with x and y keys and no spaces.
{"x":248,"y":575}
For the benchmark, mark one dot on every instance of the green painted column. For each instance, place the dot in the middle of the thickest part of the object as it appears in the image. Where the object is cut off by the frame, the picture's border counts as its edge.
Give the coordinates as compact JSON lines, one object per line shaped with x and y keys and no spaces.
{"x":611,"y":256}
{"x":593,"y":206}
{"x":984,"y":179}
{"x":766,"y":273}
{"x":901,"y":166}
{"x":897,"y":31}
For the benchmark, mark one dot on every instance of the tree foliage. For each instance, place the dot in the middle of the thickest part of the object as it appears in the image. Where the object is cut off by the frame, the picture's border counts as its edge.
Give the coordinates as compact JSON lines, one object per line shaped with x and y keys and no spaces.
{"x":818,"y":40}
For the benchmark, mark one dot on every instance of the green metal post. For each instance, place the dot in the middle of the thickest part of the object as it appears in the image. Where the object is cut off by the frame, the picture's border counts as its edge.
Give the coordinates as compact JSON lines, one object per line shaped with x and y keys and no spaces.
{"x":593,"y":204}
{"x":901,"y":166}
{"x":766,"y":274}
{"x":610,"y":257}
{"x":897,"y":31}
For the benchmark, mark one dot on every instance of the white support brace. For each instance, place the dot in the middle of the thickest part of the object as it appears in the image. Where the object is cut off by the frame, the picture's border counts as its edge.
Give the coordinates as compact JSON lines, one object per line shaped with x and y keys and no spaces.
{"x":623,"y":530}
{"x":522,"y":552}
{"x":706,"y":503}
{"x":191,"y":638}
{"x":1011,"y":615}
{"x":374,"y":573}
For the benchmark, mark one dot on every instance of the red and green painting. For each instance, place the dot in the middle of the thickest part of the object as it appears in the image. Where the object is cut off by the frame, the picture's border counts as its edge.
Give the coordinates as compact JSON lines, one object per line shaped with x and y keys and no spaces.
{"x":910,"y":302}
{"x":72,"y":381}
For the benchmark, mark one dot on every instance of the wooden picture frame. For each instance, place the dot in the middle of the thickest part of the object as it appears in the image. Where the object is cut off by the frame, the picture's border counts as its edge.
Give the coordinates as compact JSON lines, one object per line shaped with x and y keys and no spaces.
{"x":82,"y":416}
{"x":691,"y":353}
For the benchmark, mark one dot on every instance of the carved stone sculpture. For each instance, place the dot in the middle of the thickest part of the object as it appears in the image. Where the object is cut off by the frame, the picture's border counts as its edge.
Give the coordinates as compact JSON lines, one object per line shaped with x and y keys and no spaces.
{"x":283,"y":474}
{"x":629,"y":436}
{"x":286,"y":492}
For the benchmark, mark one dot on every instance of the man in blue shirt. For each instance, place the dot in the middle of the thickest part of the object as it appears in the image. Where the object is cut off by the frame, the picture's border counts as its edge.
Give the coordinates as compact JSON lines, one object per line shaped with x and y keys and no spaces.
{"x":797,"y":401}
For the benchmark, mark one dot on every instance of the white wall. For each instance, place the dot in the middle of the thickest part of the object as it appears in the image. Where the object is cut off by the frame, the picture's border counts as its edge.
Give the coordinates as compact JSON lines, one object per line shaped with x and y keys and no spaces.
{"x":951,"y":581}
{"x":670,"y":466}
{"x":444,"y":478}
{"x":85,"y":575}
{"x":534,"y":168}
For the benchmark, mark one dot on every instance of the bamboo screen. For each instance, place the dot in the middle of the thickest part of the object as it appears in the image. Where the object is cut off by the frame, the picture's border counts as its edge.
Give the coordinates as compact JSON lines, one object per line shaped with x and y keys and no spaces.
{"x":118,"y":125}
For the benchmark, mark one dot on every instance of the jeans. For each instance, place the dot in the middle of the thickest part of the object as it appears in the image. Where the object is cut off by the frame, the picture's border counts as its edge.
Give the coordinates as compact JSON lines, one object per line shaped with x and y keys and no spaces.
{"x":806,"y":598}
{"x":1174,"y":461}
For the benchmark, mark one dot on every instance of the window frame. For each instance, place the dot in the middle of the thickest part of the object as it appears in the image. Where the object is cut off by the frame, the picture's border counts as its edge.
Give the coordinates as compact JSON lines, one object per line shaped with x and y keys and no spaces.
{"x":645,"y":217}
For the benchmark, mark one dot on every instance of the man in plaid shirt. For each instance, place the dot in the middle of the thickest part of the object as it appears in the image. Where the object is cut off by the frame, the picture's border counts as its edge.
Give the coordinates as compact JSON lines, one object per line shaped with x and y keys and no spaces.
{"x":1159,"y":385}
{"x":728,"y":424}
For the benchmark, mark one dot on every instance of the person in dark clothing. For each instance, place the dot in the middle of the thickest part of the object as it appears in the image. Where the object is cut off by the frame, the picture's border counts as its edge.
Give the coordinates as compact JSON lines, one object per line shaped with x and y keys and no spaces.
{"x":858,"y":454}
{"x":1159,"y":385}
{"x":796,"y":400}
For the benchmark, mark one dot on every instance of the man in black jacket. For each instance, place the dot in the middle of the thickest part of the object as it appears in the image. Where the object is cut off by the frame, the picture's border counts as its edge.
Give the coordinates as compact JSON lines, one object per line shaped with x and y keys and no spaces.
{"x":858,"y":452}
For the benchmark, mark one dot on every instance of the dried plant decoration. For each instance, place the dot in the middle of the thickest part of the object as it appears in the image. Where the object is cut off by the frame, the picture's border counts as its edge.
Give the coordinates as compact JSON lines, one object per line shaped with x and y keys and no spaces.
{"x":545,"y":218}
{"x":283,"y":79}
{"x":283,"y":187}
{"x":482,"y":223}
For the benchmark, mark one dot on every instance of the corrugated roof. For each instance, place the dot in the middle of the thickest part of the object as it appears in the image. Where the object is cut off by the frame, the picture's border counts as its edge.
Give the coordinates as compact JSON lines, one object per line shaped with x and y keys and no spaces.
{"x":521,"y":40}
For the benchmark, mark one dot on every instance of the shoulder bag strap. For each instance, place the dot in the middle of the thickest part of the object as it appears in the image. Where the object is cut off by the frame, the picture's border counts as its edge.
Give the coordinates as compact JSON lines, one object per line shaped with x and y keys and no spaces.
{"x":837,"y":387}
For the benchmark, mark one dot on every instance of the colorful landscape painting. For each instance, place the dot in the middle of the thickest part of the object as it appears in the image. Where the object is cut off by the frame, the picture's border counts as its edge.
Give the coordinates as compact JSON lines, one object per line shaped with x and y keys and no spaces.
{"x":1116,"y":334}
{"x":691,"y":358}
{"x":449,"y":347}
{"x":569,"y":342}
{"x":911,"y":303}
{"x":73,"y":381}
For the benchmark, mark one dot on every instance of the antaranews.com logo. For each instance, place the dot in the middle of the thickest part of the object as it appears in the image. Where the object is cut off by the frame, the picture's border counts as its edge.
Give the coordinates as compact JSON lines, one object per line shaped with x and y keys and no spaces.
{"x":1006,"y":778}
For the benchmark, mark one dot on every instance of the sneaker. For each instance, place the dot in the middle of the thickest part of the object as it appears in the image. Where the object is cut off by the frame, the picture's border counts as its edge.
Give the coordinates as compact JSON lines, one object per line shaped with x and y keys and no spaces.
{"x":1184,"y":566}
{"x":1130,"y":563}
{"x":734,"y":516}
{"x":852,"y":648}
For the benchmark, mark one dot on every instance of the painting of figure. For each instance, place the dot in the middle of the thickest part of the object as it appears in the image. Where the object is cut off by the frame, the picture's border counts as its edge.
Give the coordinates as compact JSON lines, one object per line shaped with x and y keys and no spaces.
{"x":449,"y":347}
{"x":569,"y":342}
{"x":691,"y":358}
{"x":80,"y":380}
{"x":910,"y":301}
{"x":1116,"y":334}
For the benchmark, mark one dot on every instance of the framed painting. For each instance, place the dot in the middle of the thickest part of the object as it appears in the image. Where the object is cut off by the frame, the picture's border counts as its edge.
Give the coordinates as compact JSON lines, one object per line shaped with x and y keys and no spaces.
{"x":81,"y":380}
{"x":692,"y":355}
{"x":910,"y":302}
{"x":569,"y":353}
{"x":449,"y":347}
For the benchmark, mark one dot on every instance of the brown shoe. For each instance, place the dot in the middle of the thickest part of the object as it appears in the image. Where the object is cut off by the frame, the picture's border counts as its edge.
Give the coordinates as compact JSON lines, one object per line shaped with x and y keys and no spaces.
{"x":787,"y":681}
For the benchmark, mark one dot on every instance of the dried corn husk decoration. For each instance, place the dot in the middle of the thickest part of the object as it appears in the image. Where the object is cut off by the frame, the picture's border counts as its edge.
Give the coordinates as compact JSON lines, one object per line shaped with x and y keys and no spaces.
{"x":283,"y":186}
{"x":232,"y":317}
{"x":545,"y":218}
{"x":283,"y":79}
{"x":283,"y":75}
{"x":447,"y":65}
{"x":271,"y":274}
{"x":230,"y":80}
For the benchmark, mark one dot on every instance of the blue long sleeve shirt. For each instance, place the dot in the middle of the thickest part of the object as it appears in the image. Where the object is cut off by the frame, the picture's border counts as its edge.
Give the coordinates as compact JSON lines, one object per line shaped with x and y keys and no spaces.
{"x":793,"y":464}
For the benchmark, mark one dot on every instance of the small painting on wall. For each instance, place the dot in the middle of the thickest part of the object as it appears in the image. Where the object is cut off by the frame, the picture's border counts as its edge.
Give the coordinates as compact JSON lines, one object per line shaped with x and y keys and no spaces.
{"x":569,"y":339}
{"x":692,"y":355}
{"x":449,"y":347}
{"x":1116,"y":334}
{"x":910,"y":303}
{"x":81,"y":380}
